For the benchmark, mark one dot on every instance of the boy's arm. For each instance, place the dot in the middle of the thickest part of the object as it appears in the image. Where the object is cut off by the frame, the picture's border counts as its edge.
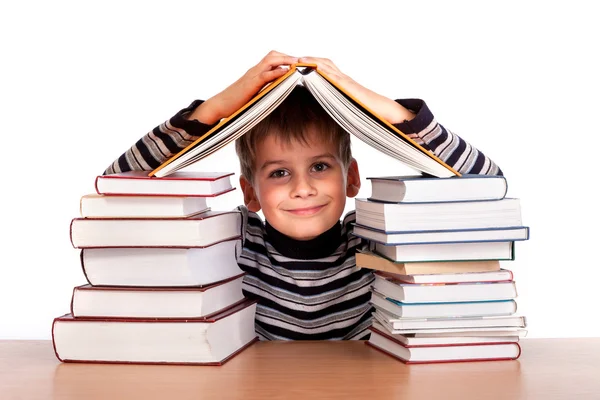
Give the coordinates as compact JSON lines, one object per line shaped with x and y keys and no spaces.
{"x":161,"y":143}
{"x":449,"y":147}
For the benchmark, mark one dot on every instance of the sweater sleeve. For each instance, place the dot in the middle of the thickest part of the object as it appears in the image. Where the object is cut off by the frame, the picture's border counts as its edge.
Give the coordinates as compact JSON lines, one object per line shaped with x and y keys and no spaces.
{"x":160,"y":143}
{"x":447,"y":146}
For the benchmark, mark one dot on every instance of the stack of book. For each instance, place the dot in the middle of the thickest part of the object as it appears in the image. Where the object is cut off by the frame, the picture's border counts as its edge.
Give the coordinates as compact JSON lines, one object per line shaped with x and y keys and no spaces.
{"x":440,"y":294}
{"x":164,"y":285}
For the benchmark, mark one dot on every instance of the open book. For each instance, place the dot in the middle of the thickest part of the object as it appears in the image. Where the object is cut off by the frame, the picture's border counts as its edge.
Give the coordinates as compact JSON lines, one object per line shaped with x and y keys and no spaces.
{"x":347,"y":111}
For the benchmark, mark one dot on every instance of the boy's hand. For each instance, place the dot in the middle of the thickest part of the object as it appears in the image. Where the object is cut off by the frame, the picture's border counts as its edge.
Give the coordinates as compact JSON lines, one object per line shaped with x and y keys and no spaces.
{"x":381,"y":105}
{"x":241,"y":91}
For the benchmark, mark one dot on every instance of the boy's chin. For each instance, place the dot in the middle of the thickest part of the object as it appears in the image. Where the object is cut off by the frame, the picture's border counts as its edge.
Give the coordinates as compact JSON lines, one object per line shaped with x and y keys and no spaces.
{"x":308,"y":232}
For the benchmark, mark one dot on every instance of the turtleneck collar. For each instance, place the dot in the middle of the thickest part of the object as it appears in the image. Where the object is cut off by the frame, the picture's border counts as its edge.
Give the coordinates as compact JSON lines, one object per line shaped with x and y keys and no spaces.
{"x":321,"y":246}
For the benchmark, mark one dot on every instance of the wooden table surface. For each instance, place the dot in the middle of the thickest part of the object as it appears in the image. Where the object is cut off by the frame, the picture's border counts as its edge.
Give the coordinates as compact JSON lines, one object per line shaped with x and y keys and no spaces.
{"x":547,"y":369}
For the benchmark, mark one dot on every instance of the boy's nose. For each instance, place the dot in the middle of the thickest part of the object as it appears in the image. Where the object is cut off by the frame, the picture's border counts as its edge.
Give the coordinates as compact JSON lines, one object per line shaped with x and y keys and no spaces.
{"x":303,"y":187}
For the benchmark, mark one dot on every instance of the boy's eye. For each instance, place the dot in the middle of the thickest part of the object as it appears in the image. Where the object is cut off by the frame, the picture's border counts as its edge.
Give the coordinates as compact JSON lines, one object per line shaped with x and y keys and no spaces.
{"x":280,"y":173}
{"x":320,"y":167}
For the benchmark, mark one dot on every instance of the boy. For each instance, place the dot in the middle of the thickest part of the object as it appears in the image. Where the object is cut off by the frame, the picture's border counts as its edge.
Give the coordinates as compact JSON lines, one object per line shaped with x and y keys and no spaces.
{"x":296,"y":165}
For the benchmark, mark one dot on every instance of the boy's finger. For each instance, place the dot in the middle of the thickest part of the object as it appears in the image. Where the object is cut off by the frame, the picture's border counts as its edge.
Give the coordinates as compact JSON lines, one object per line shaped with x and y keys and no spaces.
{"x":321,"y":62}
{"x":274,"y":61}
{"x":323,"y":67}
{"x":268,"y":76}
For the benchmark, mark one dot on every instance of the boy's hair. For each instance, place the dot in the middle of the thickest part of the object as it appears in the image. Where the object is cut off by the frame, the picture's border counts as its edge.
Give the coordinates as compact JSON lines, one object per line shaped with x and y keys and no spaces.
{"x":291,"y":121}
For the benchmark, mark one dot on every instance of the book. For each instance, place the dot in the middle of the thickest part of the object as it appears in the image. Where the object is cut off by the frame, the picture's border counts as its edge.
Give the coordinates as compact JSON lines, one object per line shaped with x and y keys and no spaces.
{"x":448,"y":292}
{"x":185,"y":183}
{"x":517,"y":233}
{"x":400,"y":217}
{"x":199,"y":341}
{"x":457,"y":277}
{"x":161,"y":267}
{"x":198,"y":231}
{"x":347,"y":111}
{"x":468,"y":331}
{"x":370,"y":260}
{"x":394,"y":324}
{"x":449,"y":338}
{"x":447,"y":251}
{"x":422,"y":189}
{"x":494,"y":351}
{"x":447,"y":309}
{"x":102,"y":206}
{"x":135,"y":302}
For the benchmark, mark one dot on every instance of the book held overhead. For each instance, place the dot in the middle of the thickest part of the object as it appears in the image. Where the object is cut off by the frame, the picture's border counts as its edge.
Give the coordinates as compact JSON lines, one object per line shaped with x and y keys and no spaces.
{"x":347,"y":111}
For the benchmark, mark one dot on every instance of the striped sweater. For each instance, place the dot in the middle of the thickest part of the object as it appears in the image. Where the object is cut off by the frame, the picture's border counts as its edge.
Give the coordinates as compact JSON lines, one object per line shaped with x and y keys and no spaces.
{"x":306,"y":290}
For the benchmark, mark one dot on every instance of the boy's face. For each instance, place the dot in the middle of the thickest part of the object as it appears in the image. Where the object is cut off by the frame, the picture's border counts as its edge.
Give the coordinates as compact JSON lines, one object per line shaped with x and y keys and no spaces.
{"x":301,"y":188}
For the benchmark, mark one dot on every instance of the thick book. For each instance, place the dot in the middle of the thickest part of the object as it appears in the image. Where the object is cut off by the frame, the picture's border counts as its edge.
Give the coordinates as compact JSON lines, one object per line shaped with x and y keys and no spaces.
{"x":162,"y":267}
{"x":517,"y":233}
{"x":102,"y":206}
{"x":421,"y":189}
{"x":447,"y":309}
{"x":399,"y":325}
{"x":347,"y":111}
{"x":448,"y":292}
{"x":447,"y":251}
{"x":138,"y":302}
{"x":184,"y":183}
{"x":210,"y":341}
{"x":400,"y":217}
{"x":449,"y":338}
{"x":370,"y":260}
{"x":198,"y":231}
{"x":494,"y":351}
{"x":516,"y":328}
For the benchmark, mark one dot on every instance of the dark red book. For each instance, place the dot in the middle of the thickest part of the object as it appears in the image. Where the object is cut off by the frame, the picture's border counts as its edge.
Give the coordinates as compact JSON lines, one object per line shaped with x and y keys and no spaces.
{"x":188,"y":183}
{"x":198,"y":231}
{"x":390,"y":345}
{"x":210,"y":341}
{"x":150,"y":302}
{"x":162,"y":267}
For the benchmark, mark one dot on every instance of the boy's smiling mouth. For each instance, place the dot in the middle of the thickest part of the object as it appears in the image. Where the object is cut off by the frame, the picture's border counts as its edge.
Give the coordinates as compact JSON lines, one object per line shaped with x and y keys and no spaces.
{"x":306,"y":211}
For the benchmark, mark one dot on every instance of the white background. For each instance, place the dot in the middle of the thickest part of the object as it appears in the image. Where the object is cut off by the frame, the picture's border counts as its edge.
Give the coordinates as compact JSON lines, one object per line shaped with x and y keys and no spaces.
{"x":82,"y":81}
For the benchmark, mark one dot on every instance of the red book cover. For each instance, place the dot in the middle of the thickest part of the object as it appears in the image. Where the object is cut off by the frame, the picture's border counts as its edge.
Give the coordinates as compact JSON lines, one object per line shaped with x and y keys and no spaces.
{"x":68,"y":318}
{"x":391,"y":338}
{"x":89,"y":287}
{"x":153,"y":186}
{"x":149,"y":223}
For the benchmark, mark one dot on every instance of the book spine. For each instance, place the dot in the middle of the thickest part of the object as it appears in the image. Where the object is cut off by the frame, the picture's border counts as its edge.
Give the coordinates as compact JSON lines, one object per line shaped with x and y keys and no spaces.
{"x":82,"y":262}
{"x":71,"y":233}
{"x":96,"y":183}
{"x":505,"y":187}
{"x":54,"y":340}
{"x":72,"y":301}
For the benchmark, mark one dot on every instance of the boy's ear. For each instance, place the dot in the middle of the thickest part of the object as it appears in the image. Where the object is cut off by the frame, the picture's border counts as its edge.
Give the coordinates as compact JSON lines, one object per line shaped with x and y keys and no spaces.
{"x":250,"y":199}
{"x":353,"y":179}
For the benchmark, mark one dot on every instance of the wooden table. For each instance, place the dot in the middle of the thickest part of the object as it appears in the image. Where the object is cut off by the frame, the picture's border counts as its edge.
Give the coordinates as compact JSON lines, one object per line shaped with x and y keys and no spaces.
{"x":547,"y":369}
